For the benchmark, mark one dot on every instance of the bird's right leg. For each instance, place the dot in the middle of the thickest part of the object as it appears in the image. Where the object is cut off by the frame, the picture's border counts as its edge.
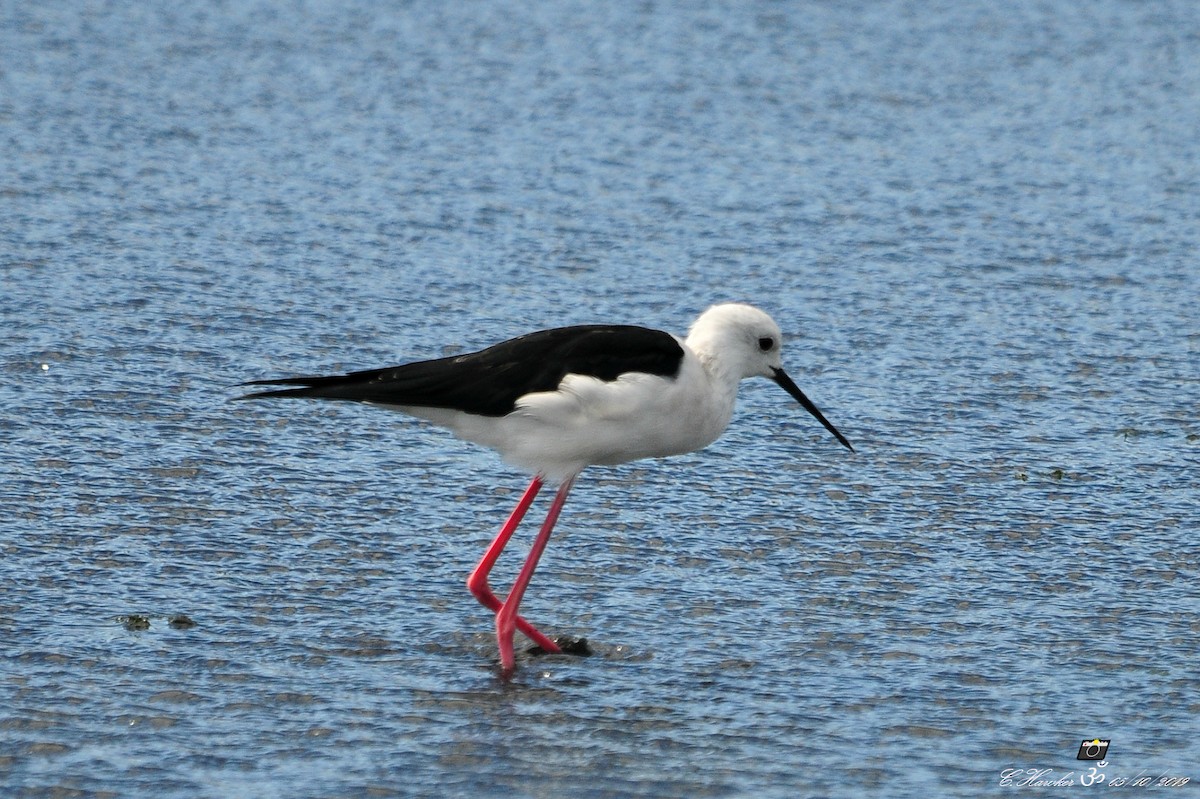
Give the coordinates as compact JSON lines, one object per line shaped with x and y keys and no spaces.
{"x":477,"y":583}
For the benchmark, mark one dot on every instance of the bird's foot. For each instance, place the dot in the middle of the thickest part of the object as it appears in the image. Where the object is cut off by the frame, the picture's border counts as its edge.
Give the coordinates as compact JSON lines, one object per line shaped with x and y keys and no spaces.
{"x":566,"y":646}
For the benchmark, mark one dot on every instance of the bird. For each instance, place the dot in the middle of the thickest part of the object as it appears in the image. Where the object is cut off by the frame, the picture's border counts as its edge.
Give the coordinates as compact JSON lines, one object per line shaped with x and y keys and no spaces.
{"x":556,"y":401}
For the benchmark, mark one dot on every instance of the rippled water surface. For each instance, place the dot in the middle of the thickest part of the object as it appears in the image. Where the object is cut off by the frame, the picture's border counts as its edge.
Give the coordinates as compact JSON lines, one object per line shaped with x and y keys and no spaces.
{"x":977,"y":224}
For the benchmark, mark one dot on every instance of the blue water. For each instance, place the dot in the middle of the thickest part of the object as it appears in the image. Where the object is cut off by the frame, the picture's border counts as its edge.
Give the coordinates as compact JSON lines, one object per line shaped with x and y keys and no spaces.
{"x":977,"y":224}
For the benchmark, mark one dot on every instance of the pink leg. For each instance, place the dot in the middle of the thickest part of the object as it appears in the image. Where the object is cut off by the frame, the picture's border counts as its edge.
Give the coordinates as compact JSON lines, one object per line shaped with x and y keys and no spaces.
{"x":477,"y":583}
{"x":507,"y":619}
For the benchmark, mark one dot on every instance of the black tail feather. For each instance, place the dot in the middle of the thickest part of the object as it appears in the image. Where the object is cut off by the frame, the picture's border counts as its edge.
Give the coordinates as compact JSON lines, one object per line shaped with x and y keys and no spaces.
{"x":353,"y":387}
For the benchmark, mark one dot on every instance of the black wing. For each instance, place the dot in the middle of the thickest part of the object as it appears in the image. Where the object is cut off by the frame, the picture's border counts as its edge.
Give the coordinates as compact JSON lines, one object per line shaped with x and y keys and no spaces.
{"x":489,"y":382}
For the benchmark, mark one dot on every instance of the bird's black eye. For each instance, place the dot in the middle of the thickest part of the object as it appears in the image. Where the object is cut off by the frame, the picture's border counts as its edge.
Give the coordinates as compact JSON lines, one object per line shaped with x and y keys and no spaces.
{"x":766,"y":343}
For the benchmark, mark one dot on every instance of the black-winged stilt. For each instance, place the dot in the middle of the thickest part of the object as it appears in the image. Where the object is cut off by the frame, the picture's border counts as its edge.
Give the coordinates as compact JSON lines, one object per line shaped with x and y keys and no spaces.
{"x":556,"y":401}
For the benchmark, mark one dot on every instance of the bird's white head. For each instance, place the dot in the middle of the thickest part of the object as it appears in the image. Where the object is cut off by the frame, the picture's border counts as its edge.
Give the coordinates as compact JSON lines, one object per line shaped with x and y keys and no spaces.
{"x":739,"y":341}
{"x":743,"y":340}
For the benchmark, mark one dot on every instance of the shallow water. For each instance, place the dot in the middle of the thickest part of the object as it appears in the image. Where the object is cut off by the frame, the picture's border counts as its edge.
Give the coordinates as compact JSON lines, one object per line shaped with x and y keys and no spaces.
{"x":977,"y":226}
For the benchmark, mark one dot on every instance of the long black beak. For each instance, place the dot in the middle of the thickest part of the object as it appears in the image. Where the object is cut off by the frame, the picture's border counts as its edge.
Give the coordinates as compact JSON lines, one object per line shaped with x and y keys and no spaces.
{"x":790,"y":387}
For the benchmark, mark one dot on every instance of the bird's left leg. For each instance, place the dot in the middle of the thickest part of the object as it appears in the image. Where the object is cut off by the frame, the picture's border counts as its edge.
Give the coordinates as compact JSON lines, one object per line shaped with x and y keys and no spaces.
{"x":506,"y":618}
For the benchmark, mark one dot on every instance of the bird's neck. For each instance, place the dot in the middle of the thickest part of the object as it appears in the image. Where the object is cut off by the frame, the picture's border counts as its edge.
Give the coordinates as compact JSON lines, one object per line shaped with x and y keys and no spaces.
{"x":721,"y":374}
